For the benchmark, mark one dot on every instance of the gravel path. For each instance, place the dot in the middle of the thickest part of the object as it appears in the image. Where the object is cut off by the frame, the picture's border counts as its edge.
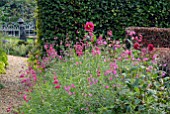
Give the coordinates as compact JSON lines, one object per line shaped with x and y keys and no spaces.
{"x":9,"y":95}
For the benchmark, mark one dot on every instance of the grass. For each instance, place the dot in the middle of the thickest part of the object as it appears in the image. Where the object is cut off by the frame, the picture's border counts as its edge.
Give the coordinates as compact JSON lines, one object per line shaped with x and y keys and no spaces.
{"x":16,"y":39}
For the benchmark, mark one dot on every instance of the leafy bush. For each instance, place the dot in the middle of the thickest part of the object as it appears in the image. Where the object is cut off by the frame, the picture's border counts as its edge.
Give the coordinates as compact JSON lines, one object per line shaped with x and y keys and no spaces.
{"x":62,"y":17}
{"x":18,"y":48}
{"x":3,"y":61}
{"x":96,"y":78}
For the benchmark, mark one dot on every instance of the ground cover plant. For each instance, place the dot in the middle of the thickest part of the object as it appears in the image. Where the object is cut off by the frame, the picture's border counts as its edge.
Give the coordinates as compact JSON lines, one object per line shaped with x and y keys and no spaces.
{"x":97,"y":75}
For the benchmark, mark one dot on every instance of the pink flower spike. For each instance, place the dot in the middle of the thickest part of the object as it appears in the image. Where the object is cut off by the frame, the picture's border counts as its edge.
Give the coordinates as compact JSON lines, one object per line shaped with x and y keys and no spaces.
{"x":57,"y":87}
{"x":110,"y":78}
{"x":145,"y":59}
{"x":70,"y":93}
{"x":109,"y":33}
{"x":106,"y":86}
{"x":136,"y":46}
{"x":24,"y":81}
{"x":131,"y":33}
{"x":150,"y":47}
{"x":55,"y":77}
{"x":8,"y":109}
{"x":35,"y":78}
{"x":77,"y":63}
{"x":73,"y":86}
{"x":22,"y":75}
{"x":55,"y":81}
{"x":25,"y":97}
{"x":67,"y":88}
{"x":114,"y":72}
{"x":104,"y":42}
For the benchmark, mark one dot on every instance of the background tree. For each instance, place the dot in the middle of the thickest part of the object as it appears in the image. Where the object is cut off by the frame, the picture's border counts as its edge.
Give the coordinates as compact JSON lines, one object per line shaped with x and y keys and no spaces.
{"x":11,"y":10}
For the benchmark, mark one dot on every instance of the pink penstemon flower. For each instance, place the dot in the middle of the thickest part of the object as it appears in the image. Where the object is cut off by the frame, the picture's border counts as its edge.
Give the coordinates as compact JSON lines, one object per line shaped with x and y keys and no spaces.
{"x":73,"y":86}
{"x":79,"y":49}
{"x":106,"y":86}
{"x":145,"y":59}
{"x":109,"y":33}
{"x":100,"y":40}
{"x":150,"y":47}
{"x":22,"y":75}
{"x":140,"y":38}
{"x":89,"y":26}
{"x":149,"y":69}
{"x":57,"y":86}
{"x":92,"y":81}
{"x":67,"y":88}
{"x":110,"y":78}
{"x":25,"y":97}
{"x":98,"y":72}
{"x":136,"y":46}
{"x":8,"y":109}
{"x":96,"y":51}
{"x":107,"y":72}
{"x":131,"y":33}
{"x":56,"y":82}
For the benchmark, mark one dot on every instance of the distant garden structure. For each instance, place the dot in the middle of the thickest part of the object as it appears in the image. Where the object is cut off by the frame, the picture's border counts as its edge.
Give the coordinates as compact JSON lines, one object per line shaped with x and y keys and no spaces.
{"x":12,"y":29}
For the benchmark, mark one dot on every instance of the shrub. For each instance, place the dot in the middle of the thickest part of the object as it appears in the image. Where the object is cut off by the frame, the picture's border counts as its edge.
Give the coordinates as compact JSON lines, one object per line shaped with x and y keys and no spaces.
{"x":3,"y":61}
{"x":3,"y":58}
{"x":17,"y":48}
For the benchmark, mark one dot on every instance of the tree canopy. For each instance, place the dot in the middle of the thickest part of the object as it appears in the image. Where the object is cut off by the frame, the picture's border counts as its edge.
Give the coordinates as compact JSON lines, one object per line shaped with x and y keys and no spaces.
{"x":11,"y":10}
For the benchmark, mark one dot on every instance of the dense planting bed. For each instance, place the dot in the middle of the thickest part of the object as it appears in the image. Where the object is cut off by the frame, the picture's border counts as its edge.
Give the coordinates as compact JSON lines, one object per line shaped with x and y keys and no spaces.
{"x":97,"y":76}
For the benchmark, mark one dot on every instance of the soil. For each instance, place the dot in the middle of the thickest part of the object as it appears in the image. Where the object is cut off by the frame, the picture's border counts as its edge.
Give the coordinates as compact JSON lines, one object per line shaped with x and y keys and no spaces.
{"x":9,"y":97}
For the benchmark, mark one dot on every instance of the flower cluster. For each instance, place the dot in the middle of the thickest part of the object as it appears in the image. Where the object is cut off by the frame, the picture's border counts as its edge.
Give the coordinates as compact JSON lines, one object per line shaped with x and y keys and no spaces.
{"x":56,"y":82}
{"x":68,"y":89}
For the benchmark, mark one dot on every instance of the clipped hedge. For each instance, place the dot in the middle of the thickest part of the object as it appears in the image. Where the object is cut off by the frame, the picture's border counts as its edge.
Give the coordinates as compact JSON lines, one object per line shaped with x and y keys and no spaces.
{"x":160,"y":37}
{"x":56,"y":18}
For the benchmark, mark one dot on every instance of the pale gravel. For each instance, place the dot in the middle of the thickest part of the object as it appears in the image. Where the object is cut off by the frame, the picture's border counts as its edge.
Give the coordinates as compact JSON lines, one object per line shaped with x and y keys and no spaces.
{"x":9,"y":95}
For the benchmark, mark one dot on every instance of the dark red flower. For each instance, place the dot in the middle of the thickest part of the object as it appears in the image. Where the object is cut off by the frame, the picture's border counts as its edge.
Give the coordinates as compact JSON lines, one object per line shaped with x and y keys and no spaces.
{"x":57,"y":87}
{"x":89,"y":27}
{"x":136,"y":45}
{"x":150,"y":47}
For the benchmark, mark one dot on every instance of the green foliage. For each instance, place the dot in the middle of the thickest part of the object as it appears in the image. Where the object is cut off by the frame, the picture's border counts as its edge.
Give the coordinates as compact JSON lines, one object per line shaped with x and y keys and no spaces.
{"x":1,"y":86}
{"x":3,"y":61}
{"x":11,"y":10}
{"x":61,"y":17}
{"x":3,"y":58}
{"x":17,"y":48}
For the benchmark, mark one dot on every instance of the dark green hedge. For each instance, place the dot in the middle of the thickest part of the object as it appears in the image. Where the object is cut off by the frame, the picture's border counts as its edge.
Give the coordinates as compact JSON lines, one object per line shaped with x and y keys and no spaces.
{"x":59,"y":17}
